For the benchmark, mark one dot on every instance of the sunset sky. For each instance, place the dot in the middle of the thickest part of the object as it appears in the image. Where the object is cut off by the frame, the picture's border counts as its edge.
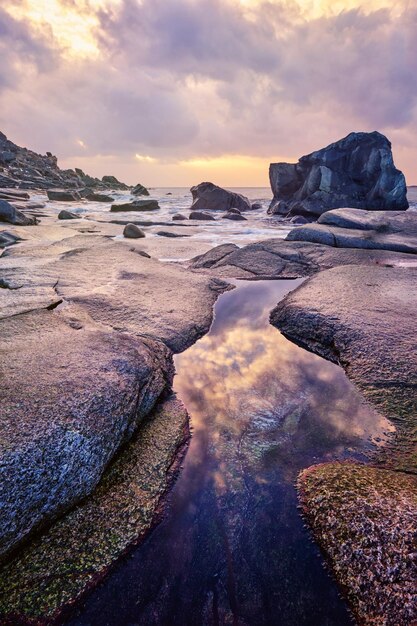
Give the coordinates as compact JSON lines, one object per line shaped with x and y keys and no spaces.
{"x":173,"y":92}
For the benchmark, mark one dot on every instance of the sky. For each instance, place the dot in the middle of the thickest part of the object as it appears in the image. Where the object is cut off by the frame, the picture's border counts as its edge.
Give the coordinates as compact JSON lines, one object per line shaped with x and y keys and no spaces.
{"x":174,"y":92}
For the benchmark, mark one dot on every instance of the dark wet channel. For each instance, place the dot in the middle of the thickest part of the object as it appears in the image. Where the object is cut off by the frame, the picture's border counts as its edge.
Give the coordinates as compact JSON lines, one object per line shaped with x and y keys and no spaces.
{"x":232,"y":548}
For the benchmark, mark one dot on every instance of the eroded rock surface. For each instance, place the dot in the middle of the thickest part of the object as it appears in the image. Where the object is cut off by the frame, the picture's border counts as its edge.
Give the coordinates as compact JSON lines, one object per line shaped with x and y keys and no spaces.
{"x":278,"y":258}
{"x":357,"y":171}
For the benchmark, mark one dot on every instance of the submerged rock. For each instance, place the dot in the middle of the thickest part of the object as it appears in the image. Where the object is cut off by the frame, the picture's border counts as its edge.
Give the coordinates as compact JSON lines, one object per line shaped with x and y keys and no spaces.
{"x":178,"y":217}
{"x":357,"y":171}
{"x":207,"y":196}
{"x":136,"y":205}
{"x":201,"y":215}
{"x":98,"y":197}
{"x":238,"y":217}
{"x":131,"y":231}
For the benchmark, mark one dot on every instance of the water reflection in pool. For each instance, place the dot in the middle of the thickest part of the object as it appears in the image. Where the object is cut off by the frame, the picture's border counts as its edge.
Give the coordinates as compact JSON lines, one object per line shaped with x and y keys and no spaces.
{"x":233,"y":549}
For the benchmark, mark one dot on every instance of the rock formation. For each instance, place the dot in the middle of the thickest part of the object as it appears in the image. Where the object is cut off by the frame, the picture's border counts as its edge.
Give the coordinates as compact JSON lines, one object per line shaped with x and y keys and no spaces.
{"x":25,"y":169}
{"x":357,"y":171}
{"x":78,"y":380}
{"x":207,"y":196}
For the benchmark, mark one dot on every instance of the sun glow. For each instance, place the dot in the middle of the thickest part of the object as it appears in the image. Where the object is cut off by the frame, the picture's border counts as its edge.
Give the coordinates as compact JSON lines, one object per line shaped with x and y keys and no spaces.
{"x":72,"y":24}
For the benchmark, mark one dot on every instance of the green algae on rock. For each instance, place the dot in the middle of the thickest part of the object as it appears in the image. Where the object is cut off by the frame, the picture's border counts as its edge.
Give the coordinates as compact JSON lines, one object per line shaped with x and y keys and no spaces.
{"x":64,"y":562}
{"x":363,"y":518}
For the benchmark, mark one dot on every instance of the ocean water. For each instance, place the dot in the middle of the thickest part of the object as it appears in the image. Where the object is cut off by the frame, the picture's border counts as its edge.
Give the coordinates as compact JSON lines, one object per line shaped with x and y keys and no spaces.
{"x":259,"y":224}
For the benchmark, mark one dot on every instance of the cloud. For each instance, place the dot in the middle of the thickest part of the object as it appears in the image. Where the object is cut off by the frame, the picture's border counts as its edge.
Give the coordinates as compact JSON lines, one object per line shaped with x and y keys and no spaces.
{"x":188,"y":79}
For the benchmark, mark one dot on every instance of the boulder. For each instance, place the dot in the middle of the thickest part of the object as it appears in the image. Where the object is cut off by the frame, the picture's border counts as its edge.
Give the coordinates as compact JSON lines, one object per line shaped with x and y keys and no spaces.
{"x":234,"y":216}
{"x":131,"y":231}
{"x":178,"y":217}
{"x":140,"y":190}
{"x":256,"y":205}
{"x":357,"y":171}
{"x":207,"y":196}
{"x":136,"y":205}
{"x":67,"y":215}
{"x":201,"y":215}
{"x":61,"y":195}
{"x":11,"y":215}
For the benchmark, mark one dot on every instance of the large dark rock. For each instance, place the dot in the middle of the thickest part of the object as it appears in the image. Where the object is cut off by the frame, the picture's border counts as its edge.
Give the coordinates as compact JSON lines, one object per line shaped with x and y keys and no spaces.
{"x":11,"y":215}
{"x":357,"y":171}
{"x":207,"y":196}
{"x":136,"y":205}
{"x":140,"y":190}
{"x":61,"y":195}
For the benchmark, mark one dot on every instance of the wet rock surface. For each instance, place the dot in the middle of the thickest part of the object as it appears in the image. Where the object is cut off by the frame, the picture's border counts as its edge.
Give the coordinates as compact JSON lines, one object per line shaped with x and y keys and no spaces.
{"x":357,"y":171}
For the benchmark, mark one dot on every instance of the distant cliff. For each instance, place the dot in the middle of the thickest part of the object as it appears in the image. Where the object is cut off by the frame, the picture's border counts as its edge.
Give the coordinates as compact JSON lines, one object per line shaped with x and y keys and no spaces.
{"x":25,"y":169}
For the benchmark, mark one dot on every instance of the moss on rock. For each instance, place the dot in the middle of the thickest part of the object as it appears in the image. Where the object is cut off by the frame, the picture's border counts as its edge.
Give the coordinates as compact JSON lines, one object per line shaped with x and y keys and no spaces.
{"x":62,"y":563}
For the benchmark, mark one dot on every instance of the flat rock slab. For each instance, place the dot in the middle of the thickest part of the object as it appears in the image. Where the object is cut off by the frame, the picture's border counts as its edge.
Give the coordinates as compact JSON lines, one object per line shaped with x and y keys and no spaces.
{"x":78,"y":378}
{"x":60,"y":565}
{"x":404,"y":222}
{"x":278,"y":258}
{"x":364,"y":520}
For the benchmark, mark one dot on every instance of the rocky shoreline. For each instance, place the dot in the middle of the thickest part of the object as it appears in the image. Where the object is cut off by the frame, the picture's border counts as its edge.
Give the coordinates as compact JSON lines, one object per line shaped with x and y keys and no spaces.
{"x":90,"y":324}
